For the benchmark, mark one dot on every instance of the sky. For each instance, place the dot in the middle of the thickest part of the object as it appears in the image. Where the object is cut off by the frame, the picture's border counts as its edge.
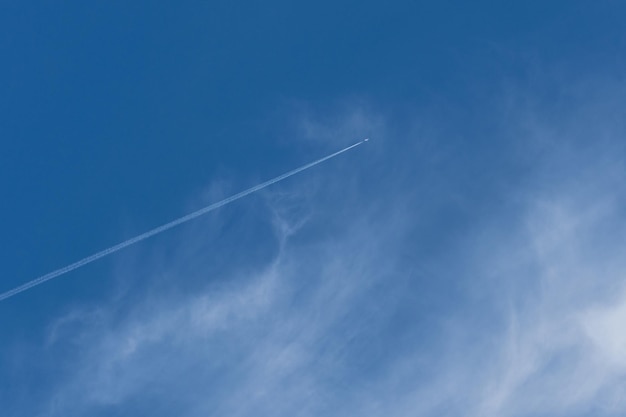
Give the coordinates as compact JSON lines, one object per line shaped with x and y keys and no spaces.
{"x":468,"y":260}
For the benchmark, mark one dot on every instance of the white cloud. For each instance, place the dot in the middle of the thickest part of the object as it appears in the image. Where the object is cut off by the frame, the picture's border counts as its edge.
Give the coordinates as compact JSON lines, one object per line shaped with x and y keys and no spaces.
{"x":605,"y":327}
{"x":243,"y":342}
{"x":378,"y":302}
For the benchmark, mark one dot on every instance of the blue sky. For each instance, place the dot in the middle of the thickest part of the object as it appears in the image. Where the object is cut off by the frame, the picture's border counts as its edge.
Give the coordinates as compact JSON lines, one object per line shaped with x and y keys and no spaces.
{"x":468,"y":260}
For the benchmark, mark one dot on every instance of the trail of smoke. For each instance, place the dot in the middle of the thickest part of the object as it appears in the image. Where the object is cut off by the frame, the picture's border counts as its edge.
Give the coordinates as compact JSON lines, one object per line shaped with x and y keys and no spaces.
{"x":163,"y":228}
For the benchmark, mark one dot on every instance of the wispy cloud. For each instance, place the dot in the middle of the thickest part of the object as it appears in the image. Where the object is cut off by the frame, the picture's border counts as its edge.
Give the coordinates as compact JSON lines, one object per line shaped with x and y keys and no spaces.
{"x":278,"y":341}
{"x":392,"y":287}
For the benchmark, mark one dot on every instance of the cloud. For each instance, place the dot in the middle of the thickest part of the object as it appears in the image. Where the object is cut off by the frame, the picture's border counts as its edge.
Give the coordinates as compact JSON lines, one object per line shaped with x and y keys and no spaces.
{"x":276,"y":341}
{"x":417,"y":277}
{"x":603,"y":325}
{"x":553,"y":280}
{"x":349,"y":120}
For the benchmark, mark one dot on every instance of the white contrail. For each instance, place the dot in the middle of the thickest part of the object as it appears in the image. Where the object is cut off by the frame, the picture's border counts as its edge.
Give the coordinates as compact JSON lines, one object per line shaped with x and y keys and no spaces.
{"x":167,"y":226}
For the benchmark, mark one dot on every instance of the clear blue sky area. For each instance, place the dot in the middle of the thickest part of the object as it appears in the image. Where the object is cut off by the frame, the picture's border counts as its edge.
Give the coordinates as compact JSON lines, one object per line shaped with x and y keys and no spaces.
{"x":468,"y":260}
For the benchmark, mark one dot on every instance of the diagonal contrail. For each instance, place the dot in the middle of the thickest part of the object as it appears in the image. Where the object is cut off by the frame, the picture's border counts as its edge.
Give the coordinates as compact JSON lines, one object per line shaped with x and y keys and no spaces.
{"x":167,"y":226}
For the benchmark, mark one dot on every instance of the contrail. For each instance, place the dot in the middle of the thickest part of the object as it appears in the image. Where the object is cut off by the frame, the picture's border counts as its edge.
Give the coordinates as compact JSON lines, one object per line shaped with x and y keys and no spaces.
{"x":167,"y":226}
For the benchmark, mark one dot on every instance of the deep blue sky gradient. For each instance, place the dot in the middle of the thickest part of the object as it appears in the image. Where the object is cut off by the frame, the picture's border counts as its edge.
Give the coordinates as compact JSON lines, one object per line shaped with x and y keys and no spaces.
{"x":124,"y":109}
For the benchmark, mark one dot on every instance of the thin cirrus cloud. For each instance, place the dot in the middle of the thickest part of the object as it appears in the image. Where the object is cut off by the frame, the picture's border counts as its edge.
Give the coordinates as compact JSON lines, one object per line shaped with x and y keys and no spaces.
{"x":436,"y":300}
{"x":285,"y":332}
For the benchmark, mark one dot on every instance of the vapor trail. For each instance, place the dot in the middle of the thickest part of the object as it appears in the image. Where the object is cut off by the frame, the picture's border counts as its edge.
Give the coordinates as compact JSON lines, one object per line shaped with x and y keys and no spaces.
{"x":167,"y":226}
